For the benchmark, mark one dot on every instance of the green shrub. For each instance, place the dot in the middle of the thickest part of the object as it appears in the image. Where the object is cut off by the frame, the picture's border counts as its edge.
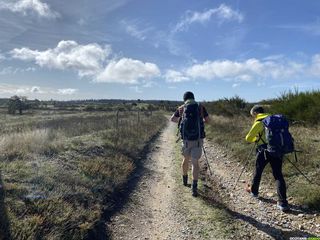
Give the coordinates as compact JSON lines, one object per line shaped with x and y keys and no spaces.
{"x":229,"y":107}
{"x":299,"y":106}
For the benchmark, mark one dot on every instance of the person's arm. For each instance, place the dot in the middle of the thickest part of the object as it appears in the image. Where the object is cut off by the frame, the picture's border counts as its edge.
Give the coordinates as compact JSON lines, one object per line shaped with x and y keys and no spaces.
{"x":253,"y":134}
{"x":205,"y":114}
{"x":176,"y":116}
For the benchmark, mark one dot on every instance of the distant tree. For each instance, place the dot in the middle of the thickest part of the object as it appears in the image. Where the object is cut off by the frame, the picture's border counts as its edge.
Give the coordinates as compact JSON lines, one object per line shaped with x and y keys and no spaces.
{"x":14,"y":105}
{"x":17,"y":103}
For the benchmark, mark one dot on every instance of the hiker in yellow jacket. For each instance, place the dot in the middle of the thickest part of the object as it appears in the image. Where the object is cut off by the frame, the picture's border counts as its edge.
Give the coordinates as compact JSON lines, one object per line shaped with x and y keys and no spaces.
{"x":257,"y":135}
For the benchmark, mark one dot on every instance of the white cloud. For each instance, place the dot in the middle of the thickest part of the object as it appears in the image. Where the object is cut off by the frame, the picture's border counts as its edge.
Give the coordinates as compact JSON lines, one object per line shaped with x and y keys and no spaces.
{"x":311,"y":28}
{"x":315,"y":65}
{"x":175,"y":76}
{"x":11,"y":70}
{"x":128,"y":70}
{"x":85,"y":59}
{"x":92,"y":61}
{"x":222,"y":13}
{"x":134,"y":30}
{"x":67,"y":91}
{"x":245,"y":71}
{"x":35,"y":89}
{"x":27,"y":6}
{"x":2,"y":57}
{"x":235,"y":85}
{"x":9,"y":89}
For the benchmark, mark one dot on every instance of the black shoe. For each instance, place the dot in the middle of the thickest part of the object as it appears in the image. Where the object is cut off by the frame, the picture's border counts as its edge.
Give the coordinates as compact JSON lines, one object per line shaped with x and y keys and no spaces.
{"x":185,"y":180}
{"x":283,"y":206}
{"x":194,"y":192}
{"x":194,"y":188}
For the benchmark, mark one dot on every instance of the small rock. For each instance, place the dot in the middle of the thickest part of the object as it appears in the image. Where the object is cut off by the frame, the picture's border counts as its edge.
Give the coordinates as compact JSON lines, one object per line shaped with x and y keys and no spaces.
{"x":270,"y":194}
{"x":301,"y":227}
{"x":300,"y":215}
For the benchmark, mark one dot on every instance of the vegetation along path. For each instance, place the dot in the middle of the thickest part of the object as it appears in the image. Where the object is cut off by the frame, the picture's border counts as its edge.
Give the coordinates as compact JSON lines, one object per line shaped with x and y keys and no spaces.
{"x":161,"y":208}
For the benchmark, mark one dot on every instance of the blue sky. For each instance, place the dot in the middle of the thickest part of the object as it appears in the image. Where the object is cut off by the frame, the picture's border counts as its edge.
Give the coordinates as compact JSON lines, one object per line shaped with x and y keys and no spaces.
{"x":130,"y":49}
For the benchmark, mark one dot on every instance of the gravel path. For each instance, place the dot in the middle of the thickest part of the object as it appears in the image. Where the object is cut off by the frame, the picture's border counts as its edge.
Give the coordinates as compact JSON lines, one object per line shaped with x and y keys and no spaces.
{"x":259,"y":213}
{"x":151,"y":212}
{"x":161,"y":208}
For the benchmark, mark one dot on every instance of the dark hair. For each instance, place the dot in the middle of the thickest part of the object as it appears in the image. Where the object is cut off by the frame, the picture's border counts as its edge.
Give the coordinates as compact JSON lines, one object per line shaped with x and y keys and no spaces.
{"x":188,"y":95}
{"x":257,"y":109}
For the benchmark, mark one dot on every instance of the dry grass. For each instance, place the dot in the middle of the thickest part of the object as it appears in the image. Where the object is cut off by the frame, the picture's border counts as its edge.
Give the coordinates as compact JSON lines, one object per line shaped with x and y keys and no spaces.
{"x":59,"y":171}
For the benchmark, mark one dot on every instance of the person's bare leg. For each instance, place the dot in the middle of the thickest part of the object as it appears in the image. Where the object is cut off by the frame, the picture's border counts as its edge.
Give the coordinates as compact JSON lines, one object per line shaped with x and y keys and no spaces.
{"x":195,"y":175}
{"x":195,"y":169}
{"x":185,"y":168}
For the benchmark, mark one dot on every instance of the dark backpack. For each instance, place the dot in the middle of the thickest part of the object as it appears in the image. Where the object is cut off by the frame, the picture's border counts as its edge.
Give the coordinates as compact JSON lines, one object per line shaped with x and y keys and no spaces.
{"x":191,"y":126}
{"x":279,"y":139}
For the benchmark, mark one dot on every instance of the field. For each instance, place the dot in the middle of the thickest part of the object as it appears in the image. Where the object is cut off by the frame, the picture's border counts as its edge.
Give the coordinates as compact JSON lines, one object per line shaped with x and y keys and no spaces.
{"x":60,"y":171}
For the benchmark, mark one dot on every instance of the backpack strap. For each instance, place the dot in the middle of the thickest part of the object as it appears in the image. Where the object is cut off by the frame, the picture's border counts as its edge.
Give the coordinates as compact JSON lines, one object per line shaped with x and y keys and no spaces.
{"x":260,"y":134}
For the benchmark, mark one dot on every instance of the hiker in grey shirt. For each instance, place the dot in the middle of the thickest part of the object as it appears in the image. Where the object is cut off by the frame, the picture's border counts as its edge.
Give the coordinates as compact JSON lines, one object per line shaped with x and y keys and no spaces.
{"x":191,"y":117}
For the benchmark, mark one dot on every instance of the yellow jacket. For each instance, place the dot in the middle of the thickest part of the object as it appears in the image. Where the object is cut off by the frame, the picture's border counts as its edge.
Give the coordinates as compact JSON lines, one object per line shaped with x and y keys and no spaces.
{"x":257,"y":129}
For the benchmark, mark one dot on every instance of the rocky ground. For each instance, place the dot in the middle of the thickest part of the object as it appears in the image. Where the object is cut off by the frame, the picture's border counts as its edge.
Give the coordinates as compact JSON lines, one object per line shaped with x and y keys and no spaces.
{"x":260,"y":213}
{"x":159,"y":207}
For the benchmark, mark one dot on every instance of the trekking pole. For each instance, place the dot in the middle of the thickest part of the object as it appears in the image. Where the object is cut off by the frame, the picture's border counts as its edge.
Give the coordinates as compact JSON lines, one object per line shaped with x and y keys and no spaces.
{"x":244,"y":166}
{"x":300,"y":171}
{"x":205,"y":156}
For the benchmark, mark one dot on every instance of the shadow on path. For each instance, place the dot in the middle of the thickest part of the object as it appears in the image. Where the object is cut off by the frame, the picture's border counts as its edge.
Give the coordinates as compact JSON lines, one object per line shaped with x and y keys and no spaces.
{"x":115,"y":202}
{"x":274,"y":232}
{"x":294,"y":209}
{"x":4,"y":221}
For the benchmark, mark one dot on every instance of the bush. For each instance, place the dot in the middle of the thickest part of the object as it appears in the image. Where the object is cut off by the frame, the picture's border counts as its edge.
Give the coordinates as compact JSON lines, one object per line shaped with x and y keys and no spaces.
{"x":298,"y":106}
{"x":229,"y":107}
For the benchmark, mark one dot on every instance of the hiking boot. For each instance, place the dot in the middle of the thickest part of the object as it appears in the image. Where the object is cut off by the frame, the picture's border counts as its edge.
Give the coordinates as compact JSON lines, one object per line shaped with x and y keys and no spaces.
{"x":248,"y":189}
{"x":283,"y":206}
{"x":185,"y":180}
{"x":194,"y":192}
{"x":194,"y":188}
{"x":254,"y":195}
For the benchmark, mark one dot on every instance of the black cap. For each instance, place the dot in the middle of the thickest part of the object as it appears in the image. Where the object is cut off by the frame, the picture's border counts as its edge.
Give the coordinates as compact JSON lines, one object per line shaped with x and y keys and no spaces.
{"x":188,"y":95}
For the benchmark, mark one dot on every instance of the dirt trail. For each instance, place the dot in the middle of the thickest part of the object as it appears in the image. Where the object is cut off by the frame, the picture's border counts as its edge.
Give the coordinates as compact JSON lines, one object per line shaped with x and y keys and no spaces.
{"x":151,"y":212}
{"x":161,"y":208}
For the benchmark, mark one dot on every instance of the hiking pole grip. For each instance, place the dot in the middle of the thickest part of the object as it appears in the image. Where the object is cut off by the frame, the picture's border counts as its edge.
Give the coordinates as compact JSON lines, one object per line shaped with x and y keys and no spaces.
{"x":244,"y":166}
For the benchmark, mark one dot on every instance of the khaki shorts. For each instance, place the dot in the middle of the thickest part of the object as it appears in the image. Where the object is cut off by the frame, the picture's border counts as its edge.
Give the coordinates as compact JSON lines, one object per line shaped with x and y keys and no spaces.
{"x":192,"y":149}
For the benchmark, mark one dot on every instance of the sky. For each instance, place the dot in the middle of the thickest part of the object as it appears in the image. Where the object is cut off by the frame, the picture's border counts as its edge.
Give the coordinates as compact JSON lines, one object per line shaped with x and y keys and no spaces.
{"x":147,"y":49}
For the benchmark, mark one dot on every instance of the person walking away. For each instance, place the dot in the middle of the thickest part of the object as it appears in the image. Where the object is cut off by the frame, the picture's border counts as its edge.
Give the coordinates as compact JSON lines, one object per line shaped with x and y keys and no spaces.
{"x":191,"y":117}
{"x":263,"y":157}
